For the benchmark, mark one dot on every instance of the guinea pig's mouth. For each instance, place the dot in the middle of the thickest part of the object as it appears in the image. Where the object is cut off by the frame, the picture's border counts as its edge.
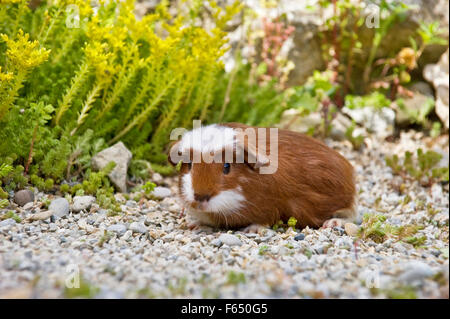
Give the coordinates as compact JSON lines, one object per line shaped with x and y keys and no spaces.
{"x":225,"y":202}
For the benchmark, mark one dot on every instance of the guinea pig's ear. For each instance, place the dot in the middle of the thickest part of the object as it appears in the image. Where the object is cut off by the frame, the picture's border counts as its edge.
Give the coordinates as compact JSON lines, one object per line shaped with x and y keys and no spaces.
{"x":252,"y":157}
{"x":173,"y":153}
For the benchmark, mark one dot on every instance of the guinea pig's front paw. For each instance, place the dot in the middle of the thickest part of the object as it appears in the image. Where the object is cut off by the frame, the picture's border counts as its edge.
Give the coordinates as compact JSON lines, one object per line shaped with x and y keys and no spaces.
{"x":193,"y":225}
{"x":334,"y":222}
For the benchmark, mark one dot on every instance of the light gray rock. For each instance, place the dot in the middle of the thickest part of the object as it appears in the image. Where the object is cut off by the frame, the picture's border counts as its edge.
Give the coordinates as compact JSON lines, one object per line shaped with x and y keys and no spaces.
{"x":161,"y":192}
{"x":7,"y":222}
{"x":293,"y":120}
{"x":59,"y":207}
{"x":438,"y":74}
{"x":416,"y":270}
{"x":216,"y":242}
{"x":137,"y":227}
{"x":378,"y":121}
{"x":23,"y":197}
{"x":119,"y":154}
{"x":230,"y":240}
{"x":119,"y":229}
{"x":82,"y":202}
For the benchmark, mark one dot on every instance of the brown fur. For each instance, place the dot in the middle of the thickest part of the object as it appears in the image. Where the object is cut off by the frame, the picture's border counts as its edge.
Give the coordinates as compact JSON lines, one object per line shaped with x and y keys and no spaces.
{"x":313,"y":183}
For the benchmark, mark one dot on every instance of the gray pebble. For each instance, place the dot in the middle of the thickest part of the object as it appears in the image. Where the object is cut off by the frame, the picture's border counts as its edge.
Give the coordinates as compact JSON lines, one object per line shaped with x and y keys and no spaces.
{"x":119,"y":229}
{"x":230,"y":240}
{"x":138,"y":228}
{"x":161,"y":192}
{"x":82,"y":203}
{"x":60,"y":207}
{"x":23,"y":196}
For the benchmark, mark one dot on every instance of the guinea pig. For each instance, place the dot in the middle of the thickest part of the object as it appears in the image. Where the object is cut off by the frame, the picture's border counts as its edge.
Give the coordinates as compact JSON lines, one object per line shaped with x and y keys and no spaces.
{"x":233,"y":176}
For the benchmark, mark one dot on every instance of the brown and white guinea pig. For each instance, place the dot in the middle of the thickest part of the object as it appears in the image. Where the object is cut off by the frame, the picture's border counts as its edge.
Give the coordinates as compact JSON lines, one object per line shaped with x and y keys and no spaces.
{"x":304,"y":178}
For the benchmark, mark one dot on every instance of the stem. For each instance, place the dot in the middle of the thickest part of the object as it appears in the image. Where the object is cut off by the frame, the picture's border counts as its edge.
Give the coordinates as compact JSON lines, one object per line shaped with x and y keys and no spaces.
{"x":13,"y":93}
{"x":30,"y":156}
{"x":77,"y":81}
{"x":144,"y":114}
{"x":87,"y":106}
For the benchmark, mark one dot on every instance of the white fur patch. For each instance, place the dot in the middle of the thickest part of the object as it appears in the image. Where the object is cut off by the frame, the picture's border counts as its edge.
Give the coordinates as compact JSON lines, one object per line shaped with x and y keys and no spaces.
{"x":187,"y":188}
{"x":209,"y":138}
{"x":226,"y":202}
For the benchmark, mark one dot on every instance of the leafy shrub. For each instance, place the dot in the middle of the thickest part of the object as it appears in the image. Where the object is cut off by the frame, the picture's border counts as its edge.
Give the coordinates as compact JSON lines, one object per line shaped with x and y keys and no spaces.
{"x":72,"y":84}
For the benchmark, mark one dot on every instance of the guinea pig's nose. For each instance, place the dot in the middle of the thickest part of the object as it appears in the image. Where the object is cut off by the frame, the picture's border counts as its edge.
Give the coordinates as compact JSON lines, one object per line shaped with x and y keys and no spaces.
{"x":202,"y":197}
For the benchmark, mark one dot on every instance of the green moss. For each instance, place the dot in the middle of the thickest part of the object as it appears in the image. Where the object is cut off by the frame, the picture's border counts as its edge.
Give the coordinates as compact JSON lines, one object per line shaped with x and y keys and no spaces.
{"x":375,"y":227}
{"x":11,"y":214}
{"x":234,"y":278}
{"x":86,"y":290}
{"x":264,"y":249}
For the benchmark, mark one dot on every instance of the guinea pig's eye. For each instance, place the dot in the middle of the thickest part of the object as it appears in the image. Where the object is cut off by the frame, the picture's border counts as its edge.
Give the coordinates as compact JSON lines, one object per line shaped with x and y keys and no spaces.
{"x":226,"y":168}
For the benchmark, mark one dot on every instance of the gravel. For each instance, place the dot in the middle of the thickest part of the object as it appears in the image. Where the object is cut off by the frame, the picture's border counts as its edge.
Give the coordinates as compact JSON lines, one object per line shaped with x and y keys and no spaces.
{"x":148,"y":250}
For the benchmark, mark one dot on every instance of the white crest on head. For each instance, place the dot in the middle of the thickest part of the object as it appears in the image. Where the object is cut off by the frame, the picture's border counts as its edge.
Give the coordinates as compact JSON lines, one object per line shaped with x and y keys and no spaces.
{"x":208,"y":138}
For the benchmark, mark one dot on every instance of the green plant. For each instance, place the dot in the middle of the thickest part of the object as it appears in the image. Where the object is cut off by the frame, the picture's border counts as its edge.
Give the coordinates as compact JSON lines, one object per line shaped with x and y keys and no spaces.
{"x":264,"y":249}
{"x":376,"y":228}
{"x":234,"y":278}
{"x":85,"y":290}
{"x":67,"y":92}
{"x":11,"y":214}
{"x":422,"y":167}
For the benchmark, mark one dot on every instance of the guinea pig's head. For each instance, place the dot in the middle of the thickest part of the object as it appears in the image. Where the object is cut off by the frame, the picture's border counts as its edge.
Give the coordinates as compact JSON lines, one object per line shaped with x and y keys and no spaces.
{"x":214,"y":168}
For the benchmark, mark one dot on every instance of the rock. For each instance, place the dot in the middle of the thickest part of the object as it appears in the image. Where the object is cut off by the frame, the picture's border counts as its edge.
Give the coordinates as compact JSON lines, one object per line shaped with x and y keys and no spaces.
{"x":378,"y":121}
{"x":339,"y":126}
{"x":230,"y":240}
{"x":7,"y":222}
{"x":161,"y":192}
{"x":82,"y":203}
{"x":23,"y":196}
{"x":299,"y":237}
{"x":59,"y":207}
{"x":351,"y":229}
{"x":438,"y":74}
{"x":119,"y":154}
{"x":28,"y":206}
{"x":138,"y":228}
{"x":41,"y":215}
{"x":416,"y":270}
{"x":412,"y":107}
{"x":157,"y":178}
{"x":216,"y":242}
{"x":291,"y":119}
{"x":119,"y":229}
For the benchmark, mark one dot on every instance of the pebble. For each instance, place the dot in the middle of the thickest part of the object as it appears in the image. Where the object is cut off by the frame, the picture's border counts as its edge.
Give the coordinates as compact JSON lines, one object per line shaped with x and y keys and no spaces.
{"x":161,"y":192}
{"x":23,"y":197}
{"x":216,"y":242}
{"x":119,"y":229}
{"x":82,"y":202}
{"x":416,"y":270}
{"x":299,"y":237}
{"x":230,"y":240}
{"x":138,"y":228}
{"x":351,"y":229}
{"x":7,"y":222}
{"x":60,"y":207}
{"x":41,"y":215}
